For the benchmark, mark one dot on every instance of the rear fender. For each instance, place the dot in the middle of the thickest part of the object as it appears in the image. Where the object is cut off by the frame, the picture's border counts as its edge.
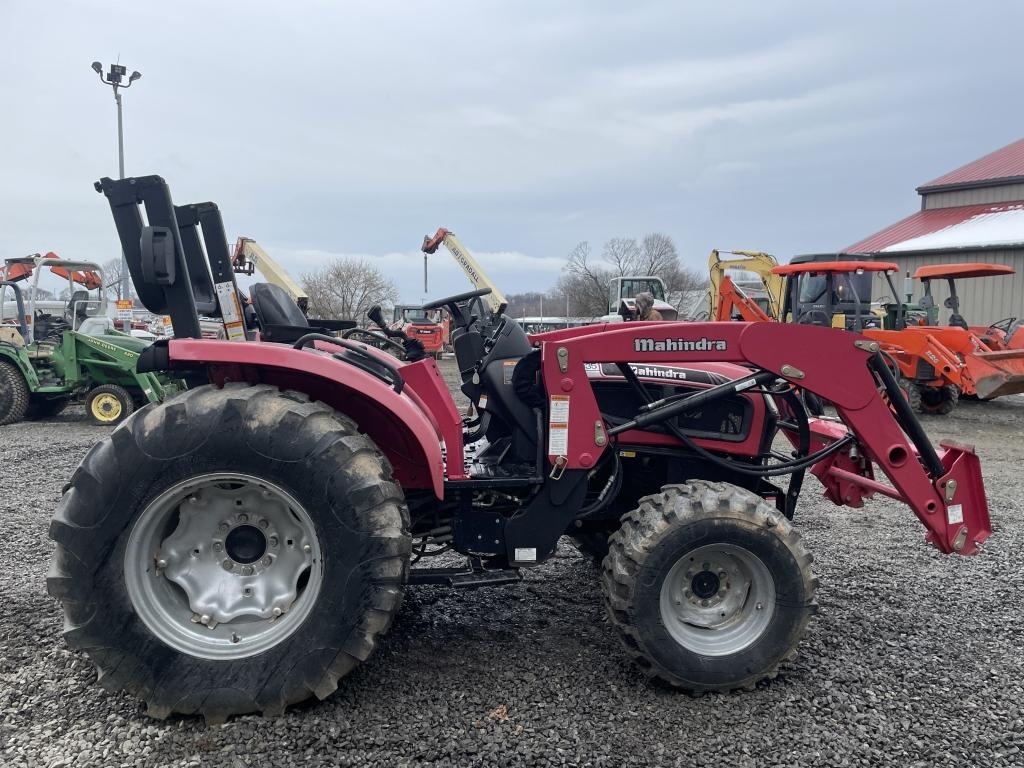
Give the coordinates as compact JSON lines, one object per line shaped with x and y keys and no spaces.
{"x":393,"y":421}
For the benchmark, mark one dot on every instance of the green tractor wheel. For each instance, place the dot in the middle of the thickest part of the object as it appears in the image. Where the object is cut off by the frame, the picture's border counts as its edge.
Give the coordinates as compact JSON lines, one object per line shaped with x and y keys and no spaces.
{"x":109,"y":404}
{"x":14,"y":394}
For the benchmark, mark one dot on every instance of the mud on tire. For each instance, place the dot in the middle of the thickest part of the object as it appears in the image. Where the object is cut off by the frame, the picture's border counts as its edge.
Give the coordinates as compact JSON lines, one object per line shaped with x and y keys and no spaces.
{"x":311,"y":452}
{"x":692,"y":552}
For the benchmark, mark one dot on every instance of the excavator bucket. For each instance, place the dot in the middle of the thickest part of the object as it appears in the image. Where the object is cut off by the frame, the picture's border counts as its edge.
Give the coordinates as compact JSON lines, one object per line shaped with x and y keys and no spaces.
{"x":997,"y":373}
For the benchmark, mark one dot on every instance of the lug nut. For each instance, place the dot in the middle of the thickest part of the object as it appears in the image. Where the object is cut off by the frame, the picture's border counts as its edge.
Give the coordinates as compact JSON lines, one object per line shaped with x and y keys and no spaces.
{"x":306,"y":548}
{"x":247,"y":570}
{"x":217,"y":546}
{"x":273,"y":541}
{"x":223,"y":526}
{"x":266,"y":560}
{"x":243,"y":518}
{"x":264,"y":524}
{"x":204,"y":619}
{"x":161,"y":563}
{"x":277,"y":611}
{"x":705,"y":603}
{"x":227,"y":565}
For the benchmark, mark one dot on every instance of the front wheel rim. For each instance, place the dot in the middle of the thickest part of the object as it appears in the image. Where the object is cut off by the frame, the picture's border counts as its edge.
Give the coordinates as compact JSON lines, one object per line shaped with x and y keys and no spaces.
{"x":106,"y":407}
{"x":223,"y":566}
{"x":717,"y":599}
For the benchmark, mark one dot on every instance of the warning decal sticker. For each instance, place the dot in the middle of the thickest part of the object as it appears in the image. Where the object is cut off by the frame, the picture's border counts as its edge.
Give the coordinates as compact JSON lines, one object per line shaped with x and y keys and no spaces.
{"x":558,"y":426}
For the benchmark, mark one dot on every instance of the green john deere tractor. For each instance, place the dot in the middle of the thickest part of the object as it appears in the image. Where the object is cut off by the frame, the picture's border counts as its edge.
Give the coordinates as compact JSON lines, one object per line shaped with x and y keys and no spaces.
{"x":54,"y":353}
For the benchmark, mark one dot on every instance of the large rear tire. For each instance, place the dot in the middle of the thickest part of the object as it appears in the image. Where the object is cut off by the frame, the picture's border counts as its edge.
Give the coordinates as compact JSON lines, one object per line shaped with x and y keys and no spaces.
{"x":230,"y":551}
{"x":709,"y":586}
{"x":14,"y":394}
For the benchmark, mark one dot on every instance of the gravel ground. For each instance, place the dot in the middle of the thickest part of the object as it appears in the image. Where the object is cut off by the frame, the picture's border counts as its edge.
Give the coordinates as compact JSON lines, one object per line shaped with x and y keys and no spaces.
{"x":916,"y":658}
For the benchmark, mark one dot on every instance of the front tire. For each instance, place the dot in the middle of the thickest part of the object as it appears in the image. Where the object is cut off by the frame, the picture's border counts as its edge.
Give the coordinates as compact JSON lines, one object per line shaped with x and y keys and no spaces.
{"x":109,"y":404}
{"x":708,"y":586}
{"x":933,"y":401}
{"x":230,"y":551}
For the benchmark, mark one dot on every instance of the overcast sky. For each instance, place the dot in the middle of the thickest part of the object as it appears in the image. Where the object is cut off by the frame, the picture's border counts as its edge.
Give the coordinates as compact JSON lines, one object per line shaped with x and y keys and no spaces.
{"x":339,"y":127}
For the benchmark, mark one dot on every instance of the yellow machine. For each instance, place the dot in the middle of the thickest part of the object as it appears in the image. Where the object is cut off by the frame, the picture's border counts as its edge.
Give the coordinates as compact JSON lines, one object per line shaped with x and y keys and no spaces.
{"x":249,"y":257}
{"x":757,"y":262}
{"x":495,"y":299}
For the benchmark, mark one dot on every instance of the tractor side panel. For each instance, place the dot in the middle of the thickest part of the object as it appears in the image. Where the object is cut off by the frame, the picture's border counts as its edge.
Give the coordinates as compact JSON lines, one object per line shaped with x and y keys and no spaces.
{"x":18,"y":358}
{"x":393,"y":421}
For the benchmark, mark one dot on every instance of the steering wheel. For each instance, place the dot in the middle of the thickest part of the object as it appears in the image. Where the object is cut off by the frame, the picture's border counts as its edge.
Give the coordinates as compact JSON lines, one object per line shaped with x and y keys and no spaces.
{"x":452,"y":303}
{"x":459,"y":297}
{"x":377,"y":337}
{"x":807,"y":318}
{"x":1004,"y":324}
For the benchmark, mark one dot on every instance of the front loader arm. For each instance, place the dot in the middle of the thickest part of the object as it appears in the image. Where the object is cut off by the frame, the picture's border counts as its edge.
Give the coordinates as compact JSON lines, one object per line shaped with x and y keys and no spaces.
{"x":944,"y":490}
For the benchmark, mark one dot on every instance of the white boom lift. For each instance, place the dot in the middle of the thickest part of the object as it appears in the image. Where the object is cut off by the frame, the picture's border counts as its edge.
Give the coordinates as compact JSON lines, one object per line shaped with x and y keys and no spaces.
{"x":249,"y":257}
{"x":495,"y":299}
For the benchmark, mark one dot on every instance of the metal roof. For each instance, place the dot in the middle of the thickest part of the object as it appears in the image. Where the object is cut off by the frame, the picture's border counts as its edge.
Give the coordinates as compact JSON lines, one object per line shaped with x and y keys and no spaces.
{"x":997,"y":167}
{"x":922,"y":223}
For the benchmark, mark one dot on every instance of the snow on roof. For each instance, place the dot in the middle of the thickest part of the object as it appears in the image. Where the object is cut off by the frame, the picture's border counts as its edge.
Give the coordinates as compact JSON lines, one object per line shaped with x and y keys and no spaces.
{"x":1000,"y":226}
{"x":927,"y":222}
{"x":1005,"y":163}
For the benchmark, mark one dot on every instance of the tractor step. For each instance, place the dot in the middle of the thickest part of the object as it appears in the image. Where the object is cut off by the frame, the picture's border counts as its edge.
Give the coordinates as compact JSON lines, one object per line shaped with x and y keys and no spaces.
{"x":465,"y":578}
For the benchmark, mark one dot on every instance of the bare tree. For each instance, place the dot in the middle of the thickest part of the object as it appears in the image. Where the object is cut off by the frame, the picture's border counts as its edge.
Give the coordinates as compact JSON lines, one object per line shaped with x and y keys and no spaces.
{"x":112,"y":282}
{"x":346,"y":288}
{"x":657,"y":255}
{"x":622,"y":254}
{"x":584,"y":282}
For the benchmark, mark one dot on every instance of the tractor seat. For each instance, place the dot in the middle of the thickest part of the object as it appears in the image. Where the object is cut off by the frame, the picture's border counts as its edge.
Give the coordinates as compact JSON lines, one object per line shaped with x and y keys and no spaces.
{"x":280,"y":319}
{"x":957,"y":321}
{"x":78,"y":305}
{"x":277,"y":314}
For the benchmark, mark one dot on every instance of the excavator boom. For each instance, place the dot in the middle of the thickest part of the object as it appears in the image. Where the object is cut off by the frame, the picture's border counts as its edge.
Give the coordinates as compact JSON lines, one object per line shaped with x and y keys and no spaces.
{"x":759,"y":263}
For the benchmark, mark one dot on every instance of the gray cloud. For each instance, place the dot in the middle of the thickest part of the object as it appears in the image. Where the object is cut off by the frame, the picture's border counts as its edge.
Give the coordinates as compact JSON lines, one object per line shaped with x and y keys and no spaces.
{"x":358,"y":127}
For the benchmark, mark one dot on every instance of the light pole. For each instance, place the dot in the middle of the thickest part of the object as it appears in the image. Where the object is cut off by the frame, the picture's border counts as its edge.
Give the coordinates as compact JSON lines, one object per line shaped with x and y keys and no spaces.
{"x":114,"y":78}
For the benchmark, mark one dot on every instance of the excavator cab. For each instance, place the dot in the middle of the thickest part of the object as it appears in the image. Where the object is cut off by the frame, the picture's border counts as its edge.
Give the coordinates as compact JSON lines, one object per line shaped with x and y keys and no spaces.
{"x":833,"y":294}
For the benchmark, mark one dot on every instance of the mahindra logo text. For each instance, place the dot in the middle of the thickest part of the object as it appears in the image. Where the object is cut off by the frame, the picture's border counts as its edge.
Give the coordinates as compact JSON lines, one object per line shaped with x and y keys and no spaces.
{"x":703,"y":344}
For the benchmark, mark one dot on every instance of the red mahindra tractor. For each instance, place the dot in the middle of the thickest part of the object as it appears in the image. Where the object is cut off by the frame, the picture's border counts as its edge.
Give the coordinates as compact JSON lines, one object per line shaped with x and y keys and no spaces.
{"x":243,"y":546}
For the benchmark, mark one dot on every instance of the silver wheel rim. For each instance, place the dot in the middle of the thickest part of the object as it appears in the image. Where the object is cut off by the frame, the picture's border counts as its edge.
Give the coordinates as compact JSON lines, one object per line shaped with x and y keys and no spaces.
{"x":223,"y":566}
{"x":717,"y":599}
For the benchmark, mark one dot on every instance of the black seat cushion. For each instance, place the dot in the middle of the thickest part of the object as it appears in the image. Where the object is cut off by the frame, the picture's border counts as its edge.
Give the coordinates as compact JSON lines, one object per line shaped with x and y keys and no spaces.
{"x":273,"y":306}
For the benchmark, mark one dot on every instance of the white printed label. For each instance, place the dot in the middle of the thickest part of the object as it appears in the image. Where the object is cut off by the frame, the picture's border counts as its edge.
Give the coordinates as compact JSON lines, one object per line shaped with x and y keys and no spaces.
{"x":558,"y":426}
{"x":526,"y":555}
{"x":230,"y":311}
{"x":482,"y":403}
{"x":228,"y":301}
{"x":955,"y":514}
{"x":744,"y":385}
